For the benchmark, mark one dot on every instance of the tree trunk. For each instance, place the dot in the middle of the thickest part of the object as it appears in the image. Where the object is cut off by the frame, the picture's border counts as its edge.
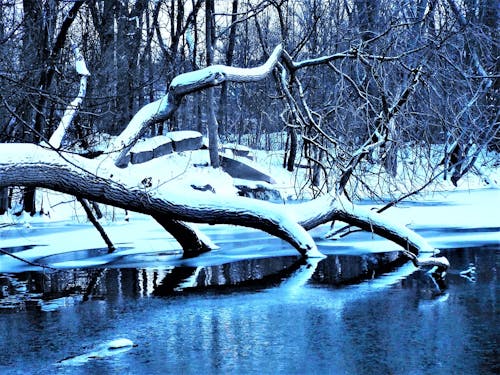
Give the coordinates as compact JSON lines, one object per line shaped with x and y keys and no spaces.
{"x":71,"y":175}
{"x":29,"y":199}
{"x":4,"y":200}
{"x":31,"y":165}
{"x":213,"y":132}
{"x":222,"y":111}
{"x":104,"y":84}
{"x":290,"y":165}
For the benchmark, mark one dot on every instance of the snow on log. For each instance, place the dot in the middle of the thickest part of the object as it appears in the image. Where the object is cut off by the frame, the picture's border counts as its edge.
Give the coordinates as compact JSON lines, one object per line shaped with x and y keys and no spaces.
{"x":374,"y":222}
{"x":331,"y":208}
{"x":32,"y":165}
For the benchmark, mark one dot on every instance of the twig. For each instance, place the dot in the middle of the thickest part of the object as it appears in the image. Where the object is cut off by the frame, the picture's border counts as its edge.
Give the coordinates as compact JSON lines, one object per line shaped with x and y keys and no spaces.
{"x":5,"y":252}
{"x":96,"y":224}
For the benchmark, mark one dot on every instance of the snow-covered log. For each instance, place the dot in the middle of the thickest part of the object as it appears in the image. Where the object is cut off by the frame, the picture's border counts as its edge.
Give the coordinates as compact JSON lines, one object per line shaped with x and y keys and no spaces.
{"x":330,"y":208}
{"x":32,"y":165}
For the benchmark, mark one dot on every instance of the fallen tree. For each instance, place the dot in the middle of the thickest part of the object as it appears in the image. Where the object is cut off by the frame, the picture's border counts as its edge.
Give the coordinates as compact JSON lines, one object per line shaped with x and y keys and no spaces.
{"x":33,"y":165}
{"x":106,"y":180}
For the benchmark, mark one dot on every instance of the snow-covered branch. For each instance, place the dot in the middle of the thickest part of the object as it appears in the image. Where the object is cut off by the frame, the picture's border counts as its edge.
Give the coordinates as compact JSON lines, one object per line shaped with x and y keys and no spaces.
{"x":351,"y":53}
{"x":70,"y":112}
{"x":32,"y":165}
{"x":216,"y":74}
{"x":330,"y":208}
{"x":184,"y":84}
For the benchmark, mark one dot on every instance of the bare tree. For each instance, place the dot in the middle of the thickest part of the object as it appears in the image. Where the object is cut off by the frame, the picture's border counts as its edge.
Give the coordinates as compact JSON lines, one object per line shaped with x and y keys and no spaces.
{"x":361,"y":90}
{"x":71,"y":174}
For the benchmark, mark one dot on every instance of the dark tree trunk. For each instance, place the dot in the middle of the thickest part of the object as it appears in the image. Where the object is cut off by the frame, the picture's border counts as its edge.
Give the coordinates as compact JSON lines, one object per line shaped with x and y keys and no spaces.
{"x":213,"y":133}
{"x":292,"y":155}
{"x":29,"y":200}
{"x":104,"y":83}
{"x":222,"y":111}
{"x":128,"y":42}
{"x":4,"y":200}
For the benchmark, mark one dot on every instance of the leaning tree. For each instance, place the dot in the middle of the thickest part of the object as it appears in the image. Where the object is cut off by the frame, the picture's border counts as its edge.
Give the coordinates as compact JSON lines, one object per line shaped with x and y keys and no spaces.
{"x":105,"y":178}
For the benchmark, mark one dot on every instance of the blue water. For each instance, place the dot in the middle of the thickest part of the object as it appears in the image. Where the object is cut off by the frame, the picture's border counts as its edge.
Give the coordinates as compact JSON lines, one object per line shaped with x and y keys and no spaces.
{"x":239,"y":318}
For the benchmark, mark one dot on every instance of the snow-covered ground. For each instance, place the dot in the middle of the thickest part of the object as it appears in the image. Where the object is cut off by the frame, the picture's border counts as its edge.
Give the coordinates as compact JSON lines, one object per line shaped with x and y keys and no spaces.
{"x":64,"y":228}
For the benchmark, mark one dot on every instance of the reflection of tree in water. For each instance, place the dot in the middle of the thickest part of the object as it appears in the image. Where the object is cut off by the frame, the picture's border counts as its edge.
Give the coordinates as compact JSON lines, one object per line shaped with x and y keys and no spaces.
{"x":35,"y":289}
{"x":259,"y":273}
{"x":253,"y":273}
{"x":350,"y":269}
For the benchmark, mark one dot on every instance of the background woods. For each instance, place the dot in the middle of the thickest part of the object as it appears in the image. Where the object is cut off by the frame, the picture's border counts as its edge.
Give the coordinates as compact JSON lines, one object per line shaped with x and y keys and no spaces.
{"x":362,"y":74}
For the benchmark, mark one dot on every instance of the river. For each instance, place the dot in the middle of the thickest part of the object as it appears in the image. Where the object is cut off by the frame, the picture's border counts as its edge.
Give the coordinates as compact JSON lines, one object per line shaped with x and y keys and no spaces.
{"x":355,"y":312}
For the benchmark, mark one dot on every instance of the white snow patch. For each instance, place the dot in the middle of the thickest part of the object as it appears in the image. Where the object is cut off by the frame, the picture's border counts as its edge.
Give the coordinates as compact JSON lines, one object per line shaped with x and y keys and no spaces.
{"x":182,"y":134}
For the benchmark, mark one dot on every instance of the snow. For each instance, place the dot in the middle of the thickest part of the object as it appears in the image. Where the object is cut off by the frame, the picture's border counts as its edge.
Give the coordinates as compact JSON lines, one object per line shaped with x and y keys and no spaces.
{"x":150,"y":143}
{"x":470,"y":205}
{"x":182,"y":134}
{"x":106,"y":349}
{"x":300,"y":277}
{"x":143,"y":241}
{"x":184,"y":82}
{"x":81,"y":67}
{"x":470,"y":208}
{"x":152,"y":110}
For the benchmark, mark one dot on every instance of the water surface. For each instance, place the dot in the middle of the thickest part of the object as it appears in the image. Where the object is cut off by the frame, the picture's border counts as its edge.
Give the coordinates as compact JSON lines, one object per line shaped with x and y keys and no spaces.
{"x":276,"y":315}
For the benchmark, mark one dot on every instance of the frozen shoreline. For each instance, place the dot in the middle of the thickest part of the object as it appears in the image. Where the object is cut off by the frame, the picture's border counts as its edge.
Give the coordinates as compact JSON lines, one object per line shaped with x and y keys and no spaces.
{"x":462,"y":217}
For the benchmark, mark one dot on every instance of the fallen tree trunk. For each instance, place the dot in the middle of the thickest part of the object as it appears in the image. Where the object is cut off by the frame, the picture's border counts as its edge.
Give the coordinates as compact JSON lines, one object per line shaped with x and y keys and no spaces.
{"x":102,"y":179}
{"x":32,"y":165}
{"x":170,"y":205}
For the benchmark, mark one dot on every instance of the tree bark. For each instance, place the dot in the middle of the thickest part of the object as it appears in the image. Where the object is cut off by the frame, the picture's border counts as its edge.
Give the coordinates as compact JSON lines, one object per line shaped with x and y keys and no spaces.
{"x":72,"y":174}
{"x":213,"y":131}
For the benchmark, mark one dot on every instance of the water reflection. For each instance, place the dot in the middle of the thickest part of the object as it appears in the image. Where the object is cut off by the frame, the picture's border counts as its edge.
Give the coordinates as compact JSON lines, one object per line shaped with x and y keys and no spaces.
{"x":30,"y":290}
{"x":249,"y":322}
